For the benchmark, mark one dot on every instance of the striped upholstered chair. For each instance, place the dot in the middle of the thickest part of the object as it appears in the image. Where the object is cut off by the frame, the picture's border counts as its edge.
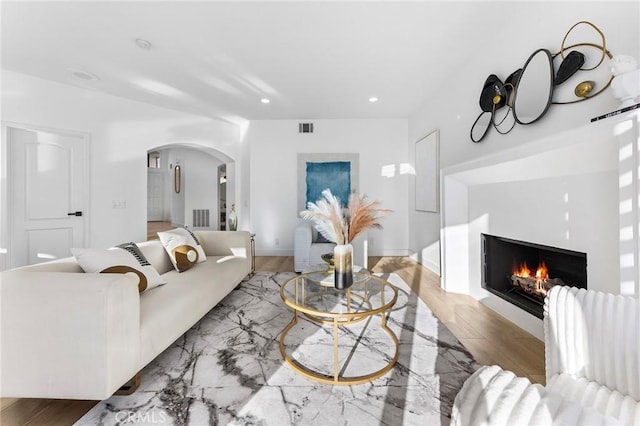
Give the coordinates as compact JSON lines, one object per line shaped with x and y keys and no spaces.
{"x":592,"y":351}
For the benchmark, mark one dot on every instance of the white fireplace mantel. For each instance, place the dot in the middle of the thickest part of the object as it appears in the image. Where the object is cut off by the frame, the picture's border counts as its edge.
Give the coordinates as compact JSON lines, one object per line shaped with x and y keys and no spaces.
{"x":576,"y":190}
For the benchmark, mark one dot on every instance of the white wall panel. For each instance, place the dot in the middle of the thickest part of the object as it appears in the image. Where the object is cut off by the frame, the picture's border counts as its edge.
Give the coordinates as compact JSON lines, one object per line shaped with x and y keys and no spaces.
{"x":454,"y":108}
{"x":274,"y":146}
{"x":121,"y":131}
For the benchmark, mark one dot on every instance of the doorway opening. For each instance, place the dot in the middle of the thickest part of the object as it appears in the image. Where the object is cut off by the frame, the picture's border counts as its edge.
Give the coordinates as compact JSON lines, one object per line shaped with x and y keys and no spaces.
{"x":185,"y":188}
{"x":222,"y":194}
{"x":45,"y":198}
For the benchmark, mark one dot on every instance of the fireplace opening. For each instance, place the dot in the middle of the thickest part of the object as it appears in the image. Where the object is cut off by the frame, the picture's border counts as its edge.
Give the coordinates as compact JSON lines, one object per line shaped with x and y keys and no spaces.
{"x":523,"y":272}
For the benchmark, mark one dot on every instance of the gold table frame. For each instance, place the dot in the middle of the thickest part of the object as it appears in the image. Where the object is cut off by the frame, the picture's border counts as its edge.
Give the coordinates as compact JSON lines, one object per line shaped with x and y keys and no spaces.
{"x":337,"y":319}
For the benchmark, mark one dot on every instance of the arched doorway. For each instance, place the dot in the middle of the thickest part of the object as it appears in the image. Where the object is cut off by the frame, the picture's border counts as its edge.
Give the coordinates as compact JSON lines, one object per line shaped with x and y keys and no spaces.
{"x":184,"y":188}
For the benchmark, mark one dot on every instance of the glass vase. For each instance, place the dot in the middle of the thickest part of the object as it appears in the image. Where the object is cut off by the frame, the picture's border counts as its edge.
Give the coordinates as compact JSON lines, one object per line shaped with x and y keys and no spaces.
{"x":343,"y":266}
{"x":233,"y":219}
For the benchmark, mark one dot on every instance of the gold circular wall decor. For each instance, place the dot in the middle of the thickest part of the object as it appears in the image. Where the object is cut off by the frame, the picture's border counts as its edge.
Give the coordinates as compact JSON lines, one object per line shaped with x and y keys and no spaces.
{"x":603,"y":45}
{"x":520,"y":86}
{"x":583,"y":89}
{"x":606,"y":53}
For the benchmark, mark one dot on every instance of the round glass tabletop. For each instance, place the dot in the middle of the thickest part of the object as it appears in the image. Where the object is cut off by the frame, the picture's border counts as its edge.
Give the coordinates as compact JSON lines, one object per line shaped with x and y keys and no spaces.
{"x":313,"y":293}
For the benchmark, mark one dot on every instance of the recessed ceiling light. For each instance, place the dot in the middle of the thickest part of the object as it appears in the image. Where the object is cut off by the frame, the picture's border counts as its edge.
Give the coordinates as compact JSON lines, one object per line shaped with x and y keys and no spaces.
{"x":373,"y":99}
{"x":265,"y":100}
{"x":83,"y":75}
{"x":143,"y":44}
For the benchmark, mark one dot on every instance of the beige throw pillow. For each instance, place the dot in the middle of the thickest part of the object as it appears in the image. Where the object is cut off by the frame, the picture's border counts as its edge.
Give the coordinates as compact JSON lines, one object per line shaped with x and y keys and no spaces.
{"x":124,"y":258}
{"x":183,"y":248}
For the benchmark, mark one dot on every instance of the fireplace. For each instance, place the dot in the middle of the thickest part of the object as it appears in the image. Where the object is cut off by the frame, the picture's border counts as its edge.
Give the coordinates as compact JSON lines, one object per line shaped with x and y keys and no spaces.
{"x":522,"y":272}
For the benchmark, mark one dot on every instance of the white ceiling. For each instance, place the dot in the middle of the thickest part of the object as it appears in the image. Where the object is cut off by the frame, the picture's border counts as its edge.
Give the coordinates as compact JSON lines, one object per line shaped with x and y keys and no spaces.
{"x":218,"y":59}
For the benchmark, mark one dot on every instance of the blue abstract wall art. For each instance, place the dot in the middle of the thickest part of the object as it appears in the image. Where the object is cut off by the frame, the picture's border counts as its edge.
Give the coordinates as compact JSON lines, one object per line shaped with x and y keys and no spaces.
{"x":334,"y":175}
{"x":318,"y":171}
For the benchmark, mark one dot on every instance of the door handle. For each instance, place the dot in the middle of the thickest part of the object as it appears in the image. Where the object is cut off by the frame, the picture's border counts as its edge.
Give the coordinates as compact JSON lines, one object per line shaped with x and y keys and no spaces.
{"x":74,"y":214}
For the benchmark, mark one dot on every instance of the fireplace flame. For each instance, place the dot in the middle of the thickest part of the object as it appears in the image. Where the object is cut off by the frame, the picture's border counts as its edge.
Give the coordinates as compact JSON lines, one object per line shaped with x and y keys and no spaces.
{"x":537,"y":283}
{"x":522,"y":271}
{"x":542,"y":272}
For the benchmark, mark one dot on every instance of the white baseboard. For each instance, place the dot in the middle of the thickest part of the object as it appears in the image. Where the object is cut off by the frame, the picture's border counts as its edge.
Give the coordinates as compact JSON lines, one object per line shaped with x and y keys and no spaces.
{"x":289,"y":252}
{"x":430,"y":265}
{"x":389,"y":252}
{"x":274,"y":252}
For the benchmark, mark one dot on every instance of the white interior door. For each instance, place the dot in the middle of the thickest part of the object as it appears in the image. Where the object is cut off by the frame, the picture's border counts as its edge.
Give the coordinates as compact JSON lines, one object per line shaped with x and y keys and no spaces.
{"x":46,"y":194}
{"x":155,"y":194}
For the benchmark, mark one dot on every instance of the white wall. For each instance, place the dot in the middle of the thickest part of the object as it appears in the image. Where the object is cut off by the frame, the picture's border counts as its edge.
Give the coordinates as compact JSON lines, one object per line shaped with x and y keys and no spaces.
{"x":243,"y":197}
{"x":177,"y":213}
{"x":274,"y":146}
{"x":558,"y":212}
{"x":122,"y":131}
{"x":561,"y":191}
{"x":232,"y":196}
{"x":200,"y":184}
{"x":523,"y":28}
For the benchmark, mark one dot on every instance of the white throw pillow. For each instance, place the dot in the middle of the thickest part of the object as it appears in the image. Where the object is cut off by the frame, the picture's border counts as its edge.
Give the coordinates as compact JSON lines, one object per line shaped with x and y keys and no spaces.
{"x":126,"y":257}
{"x":183,"y":248}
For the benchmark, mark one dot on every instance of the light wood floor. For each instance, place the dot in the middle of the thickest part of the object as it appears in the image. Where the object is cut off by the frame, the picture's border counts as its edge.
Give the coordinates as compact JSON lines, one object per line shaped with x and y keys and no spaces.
{"x":488,"y":336}
{"x":154,"y":227}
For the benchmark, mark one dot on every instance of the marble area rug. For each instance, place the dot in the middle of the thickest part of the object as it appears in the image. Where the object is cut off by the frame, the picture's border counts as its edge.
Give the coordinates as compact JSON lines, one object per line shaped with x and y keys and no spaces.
{"x":228,"y":370}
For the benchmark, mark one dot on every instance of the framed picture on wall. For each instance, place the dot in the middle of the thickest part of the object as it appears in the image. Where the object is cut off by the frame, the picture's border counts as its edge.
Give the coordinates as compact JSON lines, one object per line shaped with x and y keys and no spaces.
{"x":427,"y":167}
{"x":317,"y":172}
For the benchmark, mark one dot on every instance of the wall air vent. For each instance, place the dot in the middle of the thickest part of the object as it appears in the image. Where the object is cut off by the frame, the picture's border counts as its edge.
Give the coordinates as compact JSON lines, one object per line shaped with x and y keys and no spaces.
{"x":201,"y":218}
{"x":305,"y":127}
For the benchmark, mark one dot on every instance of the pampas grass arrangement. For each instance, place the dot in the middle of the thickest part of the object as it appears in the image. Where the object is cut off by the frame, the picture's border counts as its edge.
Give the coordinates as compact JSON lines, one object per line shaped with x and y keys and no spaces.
{"x":343,"y":225}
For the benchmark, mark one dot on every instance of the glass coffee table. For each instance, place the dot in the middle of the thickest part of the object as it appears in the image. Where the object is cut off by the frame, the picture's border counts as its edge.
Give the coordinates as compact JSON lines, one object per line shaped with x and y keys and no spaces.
{"x":314,"y":295}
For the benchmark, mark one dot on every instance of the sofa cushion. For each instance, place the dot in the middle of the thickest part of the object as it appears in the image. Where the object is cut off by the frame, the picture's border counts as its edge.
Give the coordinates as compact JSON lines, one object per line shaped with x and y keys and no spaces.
{"x":183,"y":248}
{"x":168,"y":312}
{"x":118,"y":259}
{"x":157,"y":256}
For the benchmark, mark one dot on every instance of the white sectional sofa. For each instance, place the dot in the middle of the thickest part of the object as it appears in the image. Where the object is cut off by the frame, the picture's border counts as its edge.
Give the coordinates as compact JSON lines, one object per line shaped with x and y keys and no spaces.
{"x":75,"y":335}
{"x":592,"y":349}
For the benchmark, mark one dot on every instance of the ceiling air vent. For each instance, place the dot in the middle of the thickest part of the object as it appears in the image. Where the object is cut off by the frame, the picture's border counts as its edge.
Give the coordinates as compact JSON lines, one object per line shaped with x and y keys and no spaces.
{"x":305,"y":127}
